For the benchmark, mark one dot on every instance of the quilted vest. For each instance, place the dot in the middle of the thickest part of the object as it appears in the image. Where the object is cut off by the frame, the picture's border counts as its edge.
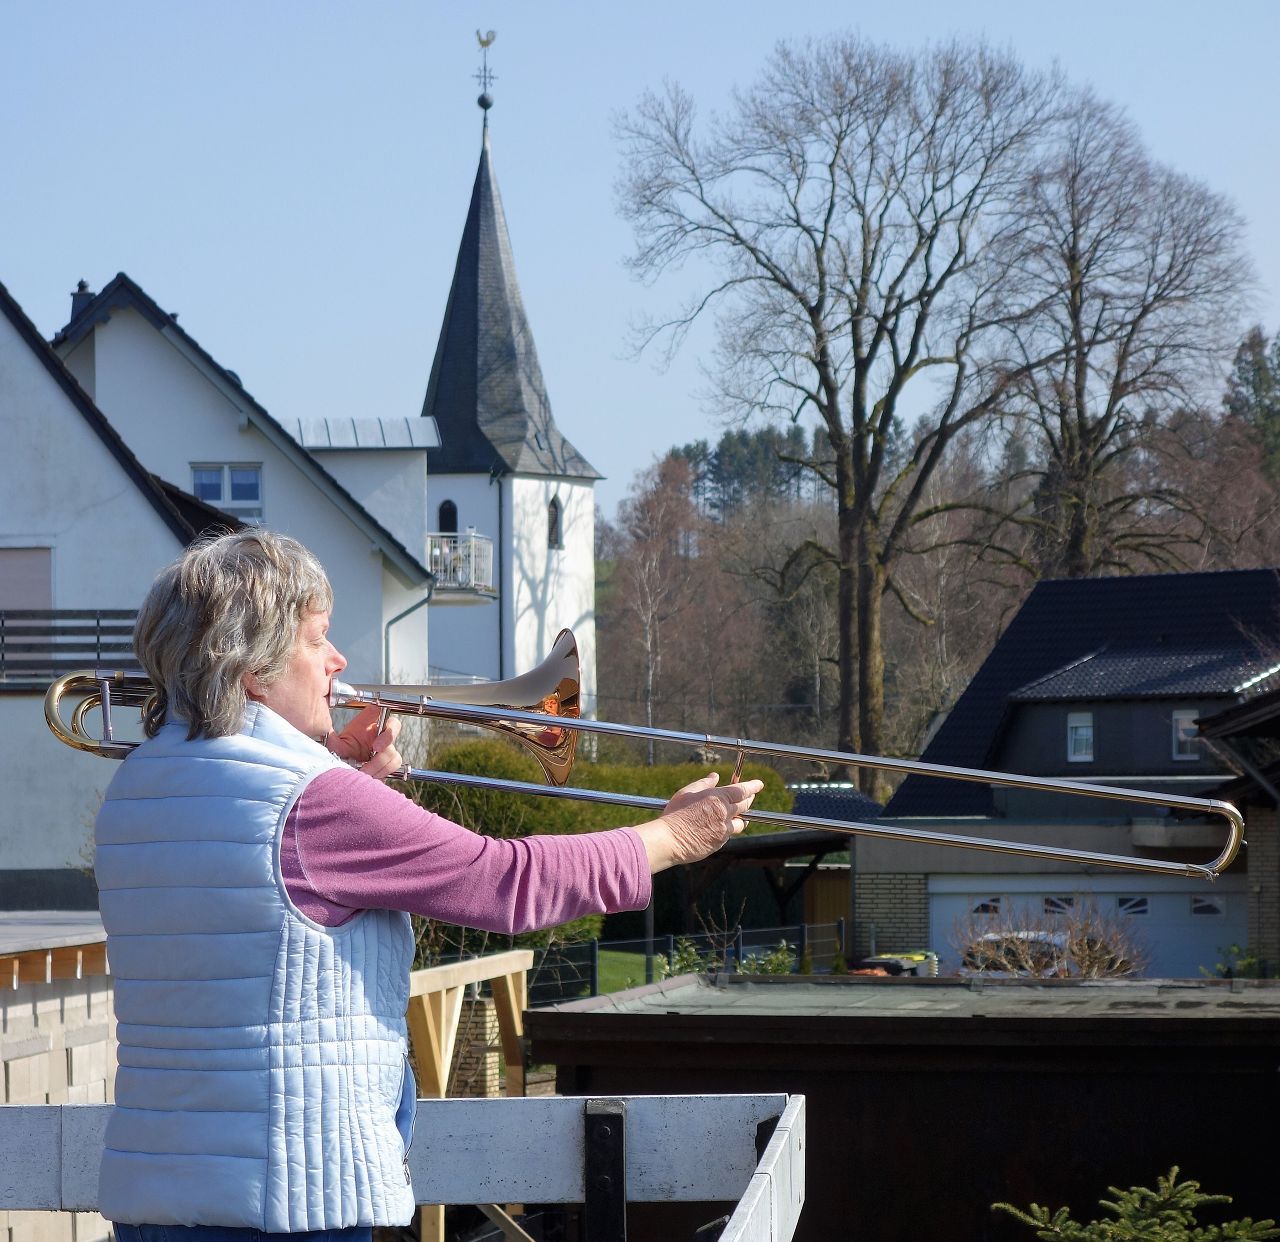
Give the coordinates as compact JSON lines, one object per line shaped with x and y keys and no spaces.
{"x":262,"y":1078}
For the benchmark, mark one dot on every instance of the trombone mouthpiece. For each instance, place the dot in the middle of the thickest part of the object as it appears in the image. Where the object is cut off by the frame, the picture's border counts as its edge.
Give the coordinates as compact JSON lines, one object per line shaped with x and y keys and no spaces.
{"x":340,"y":692}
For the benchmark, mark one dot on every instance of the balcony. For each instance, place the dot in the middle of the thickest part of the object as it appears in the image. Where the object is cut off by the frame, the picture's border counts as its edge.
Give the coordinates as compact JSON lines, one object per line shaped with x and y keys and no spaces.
{"x":37,"y":645}
{"x":463,"y":566}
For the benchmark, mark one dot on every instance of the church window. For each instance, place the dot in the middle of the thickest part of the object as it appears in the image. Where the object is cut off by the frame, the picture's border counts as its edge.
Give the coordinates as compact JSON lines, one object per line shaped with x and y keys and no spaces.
{"x":555,"y":528}
{"x":448,"y":518}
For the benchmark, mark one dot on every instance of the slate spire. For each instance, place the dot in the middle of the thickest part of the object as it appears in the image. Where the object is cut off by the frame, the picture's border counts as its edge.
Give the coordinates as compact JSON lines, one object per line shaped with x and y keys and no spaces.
{"x":486,"y":391}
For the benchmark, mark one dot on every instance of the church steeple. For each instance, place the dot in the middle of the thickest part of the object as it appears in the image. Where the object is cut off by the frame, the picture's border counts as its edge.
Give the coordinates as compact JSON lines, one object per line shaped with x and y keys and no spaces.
{"x":486,"y":391}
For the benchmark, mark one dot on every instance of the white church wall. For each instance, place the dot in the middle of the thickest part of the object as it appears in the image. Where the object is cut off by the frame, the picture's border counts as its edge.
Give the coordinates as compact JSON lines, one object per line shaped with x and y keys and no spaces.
{"x":465,"y":630}
{"x":550,"y":589}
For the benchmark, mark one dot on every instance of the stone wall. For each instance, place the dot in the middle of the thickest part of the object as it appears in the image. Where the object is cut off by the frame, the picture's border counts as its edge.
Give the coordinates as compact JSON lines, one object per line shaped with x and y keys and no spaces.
{"x":57,"y":1046}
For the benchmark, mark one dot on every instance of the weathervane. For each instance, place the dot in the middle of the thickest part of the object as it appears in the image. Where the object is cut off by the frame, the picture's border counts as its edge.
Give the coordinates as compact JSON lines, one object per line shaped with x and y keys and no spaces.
{"x":485,"y":77}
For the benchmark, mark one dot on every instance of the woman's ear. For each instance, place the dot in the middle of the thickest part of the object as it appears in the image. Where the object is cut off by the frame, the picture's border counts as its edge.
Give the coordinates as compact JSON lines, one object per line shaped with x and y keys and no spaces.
{"x":251,"y":685}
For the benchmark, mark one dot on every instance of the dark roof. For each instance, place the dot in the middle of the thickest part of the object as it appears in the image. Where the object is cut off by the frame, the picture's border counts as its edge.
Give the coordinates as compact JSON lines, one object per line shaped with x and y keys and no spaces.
{"x":123,"y":291}
{"x":154,"y":494}
{"x":835,"y":801}
{"x":1182,"y":617}
{"x":486,"y":391}
{"x":1258,"y":716}
{"x":203,"y":518}
{"x":1151,"y":674}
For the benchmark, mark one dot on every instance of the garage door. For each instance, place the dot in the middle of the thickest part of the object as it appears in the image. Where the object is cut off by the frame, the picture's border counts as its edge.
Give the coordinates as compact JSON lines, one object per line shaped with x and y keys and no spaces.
{"x":1180,"y":925}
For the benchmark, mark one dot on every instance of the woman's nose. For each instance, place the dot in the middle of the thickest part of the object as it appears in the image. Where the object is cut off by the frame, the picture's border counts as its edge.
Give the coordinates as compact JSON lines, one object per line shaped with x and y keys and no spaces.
{"x":337,"y":660}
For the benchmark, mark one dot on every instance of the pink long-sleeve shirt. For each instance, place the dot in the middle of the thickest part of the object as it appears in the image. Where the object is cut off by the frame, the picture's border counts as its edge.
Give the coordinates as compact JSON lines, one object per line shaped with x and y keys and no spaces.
{"x":352,"y":844}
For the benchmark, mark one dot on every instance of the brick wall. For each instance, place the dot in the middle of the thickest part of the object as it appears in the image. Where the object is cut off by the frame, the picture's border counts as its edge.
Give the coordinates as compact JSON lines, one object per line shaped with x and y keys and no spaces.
{"x":476,"y":1061}
{"x":57,"y":1046}
{"x":1264,"y":884}
{"x":898,"y":906}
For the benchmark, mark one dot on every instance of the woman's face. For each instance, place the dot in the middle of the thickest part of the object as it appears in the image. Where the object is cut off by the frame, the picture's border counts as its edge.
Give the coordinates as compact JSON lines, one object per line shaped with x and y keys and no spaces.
{"x":301,"y":695}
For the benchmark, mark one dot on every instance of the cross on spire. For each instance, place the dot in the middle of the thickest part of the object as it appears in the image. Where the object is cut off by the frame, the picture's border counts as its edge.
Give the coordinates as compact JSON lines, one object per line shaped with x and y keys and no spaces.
{"x":485,"y":77}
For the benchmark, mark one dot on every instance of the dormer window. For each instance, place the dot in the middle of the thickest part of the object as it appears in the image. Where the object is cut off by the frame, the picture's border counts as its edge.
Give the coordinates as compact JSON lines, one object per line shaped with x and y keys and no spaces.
{"x":1079,"y":737}
{"x":555,"y":531}
{"x":1186,"y":741}
{"x":447,"y":518}
{"x":233,"y":488}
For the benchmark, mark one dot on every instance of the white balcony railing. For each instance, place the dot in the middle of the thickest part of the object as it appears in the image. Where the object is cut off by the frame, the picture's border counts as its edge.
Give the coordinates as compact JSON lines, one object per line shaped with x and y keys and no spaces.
{"x":461,"y":562}
{"x":693,"y":1148}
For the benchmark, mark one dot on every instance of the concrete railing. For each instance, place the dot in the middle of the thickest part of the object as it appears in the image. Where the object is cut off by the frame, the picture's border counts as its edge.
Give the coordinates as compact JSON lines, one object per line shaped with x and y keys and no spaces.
{"x":746,"y":1150}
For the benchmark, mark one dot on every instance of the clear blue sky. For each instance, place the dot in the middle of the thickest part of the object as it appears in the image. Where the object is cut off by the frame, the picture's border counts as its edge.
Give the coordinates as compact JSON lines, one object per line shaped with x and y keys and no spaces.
{"x":292,"y":177}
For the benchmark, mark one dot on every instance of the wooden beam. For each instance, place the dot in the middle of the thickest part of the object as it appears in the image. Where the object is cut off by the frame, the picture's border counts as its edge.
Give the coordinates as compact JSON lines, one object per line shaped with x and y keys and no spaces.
{"x":476,"y":970}
{"x":510,"y":1000}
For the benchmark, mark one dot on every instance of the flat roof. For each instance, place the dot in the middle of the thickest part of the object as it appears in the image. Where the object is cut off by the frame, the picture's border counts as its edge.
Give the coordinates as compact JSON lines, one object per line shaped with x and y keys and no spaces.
{"x":906,"y":998}
{"x":24,"y":930}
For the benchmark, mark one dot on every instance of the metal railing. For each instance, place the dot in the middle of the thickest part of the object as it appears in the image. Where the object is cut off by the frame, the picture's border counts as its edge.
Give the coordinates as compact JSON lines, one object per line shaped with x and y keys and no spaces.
{"x":37,"y":644}
{"x":461,"y":562}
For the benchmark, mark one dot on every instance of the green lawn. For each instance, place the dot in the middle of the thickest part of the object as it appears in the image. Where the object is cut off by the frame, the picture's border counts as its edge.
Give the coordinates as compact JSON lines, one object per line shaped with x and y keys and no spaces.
{"x":622,"y":970}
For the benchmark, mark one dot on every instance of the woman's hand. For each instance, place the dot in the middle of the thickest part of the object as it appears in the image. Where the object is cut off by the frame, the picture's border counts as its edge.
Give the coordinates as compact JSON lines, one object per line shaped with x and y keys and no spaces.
{"x":697,"y":821}
{"x":362,"y":745}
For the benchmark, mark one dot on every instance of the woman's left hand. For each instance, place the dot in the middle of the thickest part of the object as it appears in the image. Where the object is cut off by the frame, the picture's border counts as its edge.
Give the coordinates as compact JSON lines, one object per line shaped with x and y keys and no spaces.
{"x":373,"y":752}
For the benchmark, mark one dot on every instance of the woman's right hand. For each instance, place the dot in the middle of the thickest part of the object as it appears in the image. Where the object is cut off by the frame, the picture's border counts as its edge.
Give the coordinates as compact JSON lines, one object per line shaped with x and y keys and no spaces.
{"x":697,"y":821}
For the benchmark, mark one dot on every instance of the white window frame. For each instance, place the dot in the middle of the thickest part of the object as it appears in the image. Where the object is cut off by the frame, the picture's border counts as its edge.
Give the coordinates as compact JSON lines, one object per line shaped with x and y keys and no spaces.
{"x":246,"y":511}
{"x":1181,"y":737}
{"x":1079,"y":721}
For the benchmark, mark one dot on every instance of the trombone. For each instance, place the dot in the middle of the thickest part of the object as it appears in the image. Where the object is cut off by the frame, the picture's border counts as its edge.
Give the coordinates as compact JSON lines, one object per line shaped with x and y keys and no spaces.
{"x":541,"y":710}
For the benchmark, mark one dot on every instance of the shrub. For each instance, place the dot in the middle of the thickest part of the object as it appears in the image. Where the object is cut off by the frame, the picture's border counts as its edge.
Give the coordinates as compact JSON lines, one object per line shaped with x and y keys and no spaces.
{"x":1167,"y":1213}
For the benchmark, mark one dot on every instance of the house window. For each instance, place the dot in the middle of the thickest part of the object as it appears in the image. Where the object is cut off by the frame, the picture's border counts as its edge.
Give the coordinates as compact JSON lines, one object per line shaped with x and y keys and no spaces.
{"x":1208,"y":907}
{"x":1133,"y":907}
{"x":1080,"y":737}
{"x":447,"y":518}
{"x":555,"y":532}
{"x":988,"y":905}
{"x":1186,"y":743}
{"x":1059,"y":905}
{"x":26,"y":578}
{"x":234,"y":488}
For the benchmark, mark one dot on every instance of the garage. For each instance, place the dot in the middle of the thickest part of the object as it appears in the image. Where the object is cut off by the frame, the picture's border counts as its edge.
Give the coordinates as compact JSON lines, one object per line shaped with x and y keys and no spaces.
{"x":1181,"y":925}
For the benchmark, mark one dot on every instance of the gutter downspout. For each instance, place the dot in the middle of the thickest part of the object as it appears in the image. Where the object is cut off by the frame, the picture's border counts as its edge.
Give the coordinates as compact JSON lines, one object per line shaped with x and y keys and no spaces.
{"x":400,"y":616}
{"x":496,"y":477}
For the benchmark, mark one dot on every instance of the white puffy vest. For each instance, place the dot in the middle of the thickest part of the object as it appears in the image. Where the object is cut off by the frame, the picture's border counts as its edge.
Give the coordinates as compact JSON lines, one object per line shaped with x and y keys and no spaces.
{"x":262,"y":1076}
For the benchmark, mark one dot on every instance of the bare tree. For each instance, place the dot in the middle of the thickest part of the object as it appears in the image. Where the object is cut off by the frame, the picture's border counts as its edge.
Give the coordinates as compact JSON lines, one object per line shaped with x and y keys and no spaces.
{"x":1130,"y":278}
{"x":654,"y":575}
{"x":855,"y":207}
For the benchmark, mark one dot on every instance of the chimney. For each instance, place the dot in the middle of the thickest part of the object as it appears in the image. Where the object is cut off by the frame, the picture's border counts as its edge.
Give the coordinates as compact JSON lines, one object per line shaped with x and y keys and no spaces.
{"x":81,"y":298}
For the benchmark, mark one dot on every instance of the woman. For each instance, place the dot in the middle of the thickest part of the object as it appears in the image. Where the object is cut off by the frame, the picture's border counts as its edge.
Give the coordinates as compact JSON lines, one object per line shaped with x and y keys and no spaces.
{"x":254,"y":888}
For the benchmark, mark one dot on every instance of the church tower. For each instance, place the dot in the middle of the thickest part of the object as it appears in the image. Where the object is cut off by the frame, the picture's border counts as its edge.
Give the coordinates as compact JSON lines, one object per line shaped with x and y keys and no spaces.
{"x":510,"y":501}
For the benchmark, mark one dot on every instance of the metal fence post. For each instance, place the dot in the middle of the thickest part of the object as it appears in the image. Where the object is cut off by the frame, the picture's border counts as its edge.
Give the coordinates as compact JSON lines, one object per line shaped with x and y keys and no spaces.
{"x":737,"y":947}
{"x":595,"y":967}
{"x":840,"y":935}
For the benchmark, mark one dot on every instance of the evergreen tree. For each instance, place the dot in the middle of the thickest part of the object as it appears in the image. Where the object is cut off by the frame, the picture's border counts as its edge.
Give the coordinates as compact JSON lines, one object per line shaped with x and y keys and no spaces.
{"x":1253,"y":393}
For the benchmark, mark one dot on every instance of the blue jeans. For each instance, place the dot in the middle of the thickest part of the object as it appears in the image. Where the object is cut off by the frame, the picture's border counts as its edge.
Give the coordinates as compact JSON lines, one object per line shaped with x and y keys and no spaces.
{"x":220,"y":1233}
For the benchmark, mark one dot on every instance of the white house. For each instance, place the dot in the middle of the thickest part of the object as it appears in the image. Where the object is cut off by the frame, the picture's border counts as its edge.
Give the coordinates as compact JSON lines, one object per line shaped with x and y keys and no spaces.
{"x":510,"y":500}
{"x":191,"y":421}
{"x":83,"y":529}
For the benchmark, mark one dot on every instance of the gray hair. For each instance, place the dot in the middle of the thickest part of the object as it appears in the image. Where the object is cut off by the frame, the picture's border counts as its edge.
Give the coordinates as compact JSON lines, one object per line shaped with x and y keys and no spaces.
{"x":229,"y":605}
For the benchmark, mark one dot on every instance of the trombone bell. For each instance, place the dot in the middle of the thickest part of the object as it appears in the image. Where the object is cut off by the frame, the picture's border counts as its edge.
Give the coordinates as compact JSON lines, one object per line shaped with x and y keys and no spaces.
{"x":551,"y":692}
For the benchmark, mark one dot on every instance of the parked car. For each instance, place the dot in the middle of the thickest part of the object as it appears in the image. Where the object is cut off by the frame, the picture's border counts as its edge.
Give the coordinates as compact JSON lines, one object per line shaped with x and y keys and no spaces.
{"x":1018,"y":954}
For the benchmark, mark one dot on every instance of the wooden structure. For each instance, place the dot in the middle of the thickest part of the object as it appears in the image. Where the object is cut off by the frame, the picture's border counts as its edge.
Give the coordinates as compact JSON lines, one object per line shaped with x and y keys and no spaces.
{"x":931,"y":1099}
{"x":435,"y":1008}
{"x":45,"y":965}
{"x":746,"y":1150}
